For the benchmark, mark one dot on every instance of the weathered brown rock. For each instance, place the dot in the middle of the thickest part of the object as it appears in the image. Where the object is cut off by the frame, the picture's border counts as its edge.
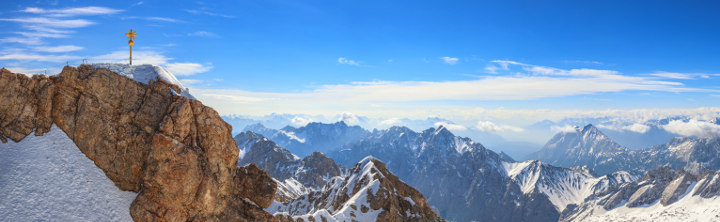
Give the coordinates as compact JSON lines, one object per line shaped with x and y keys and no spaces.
{"x":176,"y":153}
{"x":256,"y":184}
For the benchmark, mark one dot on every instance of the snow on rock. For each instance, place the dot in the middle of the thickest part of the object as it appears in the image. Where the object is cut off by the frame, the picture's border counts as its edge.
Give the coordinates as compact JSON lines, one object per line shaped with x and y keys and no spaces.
{"x":688,"y":208}
{"x":368,"y":193}
{"x":47,"y":178}
{"x":144,"y":73}
{"x":563,"y":186}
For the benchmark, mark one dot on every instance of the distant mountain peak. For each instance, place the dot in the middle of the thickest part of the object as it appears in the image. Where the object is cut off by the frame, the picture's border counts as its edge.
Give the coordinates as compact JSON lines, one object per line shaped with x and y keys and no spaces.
{"x":589,"y":128}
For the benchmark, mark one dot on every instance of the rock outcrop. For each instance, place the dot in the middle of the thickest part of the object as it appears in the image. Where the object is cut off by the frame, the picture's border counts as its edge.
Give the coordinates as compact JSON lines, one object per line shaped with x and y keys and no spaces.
{"x":178,"y":154}
{"x":311,"y":171}
{"x":370,"y":192}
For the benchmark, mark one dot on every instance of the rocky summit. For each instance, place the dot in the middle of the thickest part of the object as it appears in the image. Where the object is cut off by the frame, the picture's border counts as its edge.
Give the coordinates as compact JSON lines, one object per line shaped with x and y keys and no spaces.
{"x":369,"y":192}
{"x":176,"y":153}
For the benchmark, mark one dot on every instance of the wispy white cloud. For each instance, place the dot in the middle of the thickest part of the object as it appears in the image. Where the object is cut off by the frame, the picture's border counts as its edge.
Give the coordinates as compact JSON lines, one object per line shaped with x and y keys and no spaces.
{"x":672,"y":75}
{"x":203,"y":34}
{"x":42,"y":35}
{"x":635,"y":127}
{"x":299,"y":121}
{"x":390,"y":122}
{"x":206,"y":11}
{"x":487,"y":126}
{"x":60,"y":48}
{"x":38,"y":57}
{"x":564,"y":129}
{"x":51,"y":22}
{"x":346,"y":61}
{"x":683,"y":76}
{"x":184,"y":69}
{"x":450,"y":60}
{"x":22,"y":40}
{"x":187,"y":82}
{"x":693,"y":128}
{"x":451,"y":126}
{"x":349,"y":118}
{"x":586,"y":62}
{"x":27,"y":70}
{"x":152,"y":18}
{"x":70,"y":12}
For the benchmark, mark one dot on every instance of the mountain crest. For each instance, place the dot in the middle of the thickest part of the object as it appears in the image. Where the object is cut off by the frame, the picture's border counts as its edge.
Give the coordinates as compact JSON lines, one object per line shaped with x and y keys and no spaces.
{"x":587,"y":146}
{"x":370,"y":192}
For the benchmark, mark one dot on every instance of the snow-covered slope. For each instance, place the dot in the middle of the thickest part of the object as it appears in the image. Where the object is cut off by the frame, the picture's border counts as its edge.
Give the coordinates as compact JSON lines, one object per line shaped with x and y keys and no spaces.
{"x":563,"y":186}
{"x":144,"y":73}
{"x":689,"y":208}
{"x":47,"y":178}
{"x":661,"y":195}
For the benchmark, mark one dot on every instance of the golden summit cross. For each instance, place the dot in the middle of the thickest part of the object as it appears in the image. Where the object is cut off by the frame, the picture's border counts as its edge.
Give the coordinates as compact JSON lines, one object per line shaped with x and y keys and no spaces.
{"x":131,"y":35}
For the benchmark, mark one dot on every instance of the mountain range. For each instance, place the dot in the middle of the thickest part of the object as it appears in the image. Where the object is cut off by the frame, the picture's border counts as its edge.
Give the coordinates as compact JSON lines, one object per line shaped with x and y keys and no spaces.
{"x":588,"y":146}
{"x":315,"y":188}
{"x":466,"y":181}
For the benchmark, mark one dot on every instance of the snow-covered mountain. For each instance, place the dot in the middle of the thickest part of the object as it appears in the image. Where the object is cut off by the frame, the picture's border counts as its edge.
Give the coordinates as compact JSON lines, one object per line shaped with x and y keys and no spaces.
{"x":465,"y":181}
{"x":661,"y":194}
{"x":313,"y":137}
{"x":563,"y":186}
{"x":312,"y":171}
{"x":637,"y":131}
{"x":585,"y":146}
{"x":691,"y":154}
{"x":369,"y":192}
{"x":590,"y":147}
{"x":245,"y":140}
{"x":460,"y":177}
{"x":315,"y":187}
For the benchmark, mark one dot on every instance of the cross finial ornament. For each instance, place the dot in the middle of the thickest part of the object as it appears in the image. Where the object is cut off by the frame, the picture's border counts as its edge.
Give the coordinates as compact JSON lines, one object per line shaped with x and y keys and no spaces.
{"x":131,"y":35}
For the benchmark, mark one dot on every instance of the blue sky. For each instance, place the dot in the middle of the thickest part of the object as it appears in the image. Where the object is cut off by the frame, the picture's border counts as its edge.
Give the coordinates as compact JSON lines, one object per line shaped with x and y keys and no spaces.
{"x":393,"y":59}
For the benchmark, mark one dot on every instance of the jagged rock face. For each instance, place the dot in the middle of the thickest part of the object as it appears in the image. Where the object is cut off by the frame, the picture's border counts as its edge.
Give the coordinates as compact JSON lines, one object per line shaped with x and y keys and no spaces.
{"x":370,"y":192}
{"x":312,"y":171}
{"x":176,"y":153}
